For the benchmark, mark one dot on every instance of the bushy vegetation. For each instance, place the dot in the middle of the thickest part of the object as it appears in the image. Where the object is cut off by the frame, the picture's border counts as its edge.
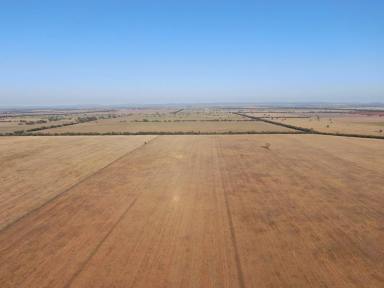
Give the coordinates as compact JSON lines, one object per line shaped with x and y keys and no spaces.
{"x":86,"y":119}
{"x":156,"y":133}
{"x":32,"y":122}
{"x":79,"y":120}
{"x":55,"y":118}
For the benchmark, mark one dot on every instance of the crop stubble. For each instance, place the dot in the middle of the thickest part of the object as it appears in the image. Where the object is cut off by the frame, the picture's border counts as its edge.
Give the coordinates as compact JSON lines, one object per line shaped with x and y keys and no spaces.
{"x":212,"y":211}
{"x":34,"y":170}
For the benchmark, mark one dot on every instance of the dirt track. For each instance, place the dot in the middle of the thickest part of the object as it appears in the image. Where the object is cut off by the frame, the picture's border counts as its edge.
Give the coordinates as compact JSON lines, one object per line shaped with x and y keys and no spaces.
{"x":212,"y":211}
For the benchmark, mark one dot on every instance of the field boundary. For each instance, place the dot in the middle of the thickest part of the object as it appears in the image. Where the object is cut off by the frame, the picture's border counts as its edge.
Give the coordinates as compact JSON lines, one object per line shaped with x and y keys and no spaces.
{"x":65,"y":191}
{"x":307,"y":130}
{"x":150,"y":133}
{"x":191,"y":133}
{"x":177,"y":111}
{"x":297,"y":130}
{"x":18,"y":132}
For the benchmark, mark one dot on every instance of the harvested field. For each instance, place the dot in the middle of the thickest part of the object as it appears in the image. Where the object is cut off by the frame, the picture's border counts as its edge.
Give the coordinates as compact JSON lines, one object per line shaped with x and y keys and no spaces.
{"x":119,"y":125}
{"x":182,"y":115}
{"x":34,"y":170}
{"x":351,"y":124}
{"x":208,"y":211}
{"x":13,"y":124}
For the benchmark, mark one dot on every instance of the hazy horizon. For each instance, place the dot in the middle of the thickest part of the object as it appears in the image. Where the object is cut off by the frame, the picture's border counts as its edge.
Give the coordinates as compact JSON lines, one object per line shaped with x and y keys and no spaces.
{"x":137,"y":53}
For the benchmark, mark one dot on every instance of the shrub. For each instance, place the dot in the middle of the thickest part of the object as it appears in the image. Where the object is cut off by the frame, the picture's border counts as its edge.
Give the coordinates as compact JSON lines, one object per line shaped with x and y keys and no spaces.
{"x":266,"y":146}
{"x":86,"y":119}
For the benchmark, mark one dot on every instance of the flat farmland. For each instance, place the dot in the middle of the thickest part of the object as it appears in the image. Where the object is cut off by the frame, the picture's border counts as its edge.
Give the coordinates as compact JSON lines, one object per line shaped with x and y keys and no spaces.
{"x":34,"y":170}
{"x":182,"y":115}
{"x":121,"y":125}
{"x":351,"y":124}
{"x":205,"y":211}
{"x":15,"y":124}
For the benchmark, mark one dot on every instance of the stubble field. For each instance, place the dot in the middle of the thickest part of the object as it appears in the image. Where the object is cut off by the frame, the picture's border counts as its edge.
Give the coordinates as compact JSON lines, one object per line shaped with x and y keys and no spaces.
{"x":197,"y":126}
{"x":196,"y":211}
{"x":36,"y":169}
{"x":329,"y":121}
{"x":16,"y":124}
{"x":361,"y":125}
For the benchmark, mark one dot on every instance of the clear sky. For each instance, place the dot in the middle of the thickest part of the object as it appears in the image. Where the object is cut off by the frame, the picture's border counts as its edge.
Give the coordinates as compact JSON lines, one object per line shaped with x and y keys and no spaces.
{"x":117,"y":52}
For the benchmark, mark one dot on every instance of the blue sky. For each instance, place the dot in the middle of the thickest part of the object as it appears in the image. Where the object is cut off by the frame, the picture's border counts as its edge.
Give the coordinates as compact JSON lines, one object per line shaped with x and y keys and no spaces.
{"x":117,"y":52}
